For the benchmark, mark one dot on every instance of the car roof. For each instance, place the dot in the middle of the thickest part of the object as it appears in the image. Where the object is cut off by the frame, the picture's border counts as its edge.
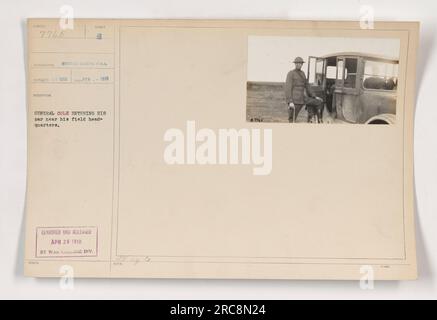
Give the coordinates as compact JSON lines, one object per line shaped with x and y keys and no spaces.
{"x":363,"y":55}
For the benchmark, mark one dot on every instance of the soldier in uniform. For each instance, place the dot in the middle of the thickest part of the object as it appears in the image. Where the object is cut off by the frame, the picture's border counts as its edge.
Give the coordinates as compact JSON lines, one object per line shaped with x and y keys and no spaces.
{"x":298,"y":91}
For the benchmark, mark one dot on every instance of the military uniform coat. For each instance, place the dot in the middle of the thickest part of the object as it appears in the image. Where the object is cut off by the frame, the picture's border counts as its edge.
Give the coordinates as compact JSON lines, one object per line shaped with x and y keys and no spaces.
{"x":295,"y":86}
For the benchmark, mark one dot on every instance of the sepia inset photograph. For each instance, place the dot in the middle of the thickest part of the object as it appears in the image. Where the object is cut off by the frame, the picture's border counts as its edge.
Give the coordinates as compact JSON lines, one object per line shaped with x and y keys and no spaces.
{"x":322,"y":80}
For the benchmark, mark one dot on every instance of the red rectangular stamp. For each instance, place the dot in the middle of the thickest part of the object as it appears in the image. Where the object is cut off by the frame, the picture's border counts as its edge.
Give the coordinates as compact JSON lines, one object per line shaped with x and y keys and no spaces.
{"x":66,"y":242}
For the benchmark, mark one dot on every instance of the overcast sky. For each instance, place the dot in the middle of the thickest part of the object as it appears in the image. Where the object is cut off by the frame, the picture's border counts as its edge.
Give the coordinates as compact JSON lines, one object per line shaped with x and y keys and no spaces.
{"x":270,"y":58}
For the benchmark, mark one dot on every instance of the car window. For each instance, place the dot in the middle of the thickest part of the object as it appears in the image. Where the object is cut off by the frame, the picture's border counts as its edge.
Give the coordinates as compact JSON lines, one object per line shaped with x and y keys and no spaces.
{"x":380,"y":75}
{"x":350,"y":78}
{"x":340,"y":69}
{"x":311,"y":70}
{"x":315,"y":71}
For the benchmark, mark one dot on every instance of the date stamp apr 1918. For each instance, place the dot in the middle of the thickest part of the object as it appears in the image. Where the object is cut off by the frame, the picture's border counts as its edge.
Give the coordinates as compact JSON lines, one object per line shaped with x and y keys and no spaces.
{"x":63,"y":242}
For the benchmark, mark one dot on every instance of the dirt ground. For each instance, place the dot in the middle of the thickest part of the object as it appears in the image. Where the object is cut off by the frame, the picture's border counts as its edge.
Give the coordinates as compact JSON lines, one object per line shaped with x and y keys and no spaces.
{"x":266,"y":103}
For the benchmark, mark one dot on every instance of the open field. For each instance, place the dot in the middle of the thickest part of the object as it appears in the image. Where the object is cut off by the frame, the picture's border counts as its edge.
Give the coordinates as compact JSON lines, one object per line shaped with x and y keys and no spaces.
{"x":266,"y":103}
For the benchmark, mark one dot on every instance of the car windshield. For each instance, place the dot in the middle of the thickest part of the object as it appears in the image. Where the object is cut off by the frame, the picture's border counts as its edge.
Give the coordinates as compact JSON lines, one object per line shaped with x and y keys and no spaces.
{"x":380,"y":75}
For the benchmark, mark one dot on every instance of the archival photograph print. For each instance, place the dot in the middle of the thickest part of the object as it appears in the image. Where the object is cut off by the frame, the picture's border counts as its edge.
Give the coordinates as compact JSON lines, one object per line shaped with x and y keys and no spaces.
{"x":322,"y":80}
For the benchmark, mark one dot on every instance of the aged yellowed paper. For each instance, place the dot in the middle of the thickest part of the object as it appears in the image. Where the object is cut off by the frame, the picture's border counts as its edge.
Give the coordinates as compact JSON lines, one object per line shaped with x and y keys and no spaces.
{"x":220,"y":149}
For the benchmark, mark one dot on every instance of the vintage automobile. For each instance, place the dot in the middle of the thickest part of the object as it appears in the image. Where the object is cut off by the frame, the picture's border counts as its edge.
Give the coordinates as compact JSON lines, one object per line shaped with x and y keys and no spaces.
{"x":356,"y":87}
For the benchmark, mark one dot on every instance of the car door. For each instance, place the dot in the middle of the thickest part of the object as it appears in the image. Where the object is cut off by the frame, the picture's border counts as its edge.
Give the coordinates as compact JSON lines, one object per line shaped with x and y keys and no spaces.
{"x":316,"y":75}
{"x":347,"y":89}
